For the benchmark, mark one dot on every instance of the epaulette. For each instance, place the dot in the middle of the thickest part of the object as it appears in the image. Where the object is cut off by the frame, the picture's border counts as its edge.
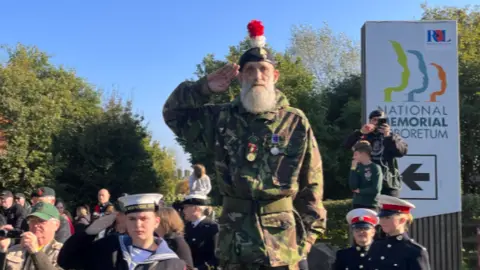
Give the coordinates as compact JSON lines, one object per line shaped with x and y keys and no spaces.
{"x":416,"y":245}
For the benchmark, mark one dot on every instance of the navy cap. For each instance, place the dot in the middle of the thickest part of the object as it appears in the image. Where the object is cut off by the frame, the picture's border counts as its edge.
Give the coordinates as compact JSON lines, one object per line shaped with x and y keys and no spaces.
{"x":199,"y":200}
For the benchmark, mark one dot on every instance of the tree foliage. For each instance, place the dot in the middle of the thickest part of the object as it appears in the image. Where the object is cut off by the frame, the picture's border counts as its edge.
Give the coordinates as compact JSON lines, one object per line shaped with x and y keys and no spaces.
{"x":59,"y":134}
{"x":38,"y":99}
{"x":331,"y":57}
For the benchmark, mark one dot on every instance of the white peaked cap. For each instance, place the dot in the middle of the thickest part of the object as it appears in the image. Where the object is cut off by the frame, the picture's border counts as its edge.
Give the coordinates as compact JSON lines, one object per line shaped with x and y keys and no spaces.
{"x":362,"y":215}
{"x":389,"y":200}
{"x":393,"y":205}
{"x":140,"y":202}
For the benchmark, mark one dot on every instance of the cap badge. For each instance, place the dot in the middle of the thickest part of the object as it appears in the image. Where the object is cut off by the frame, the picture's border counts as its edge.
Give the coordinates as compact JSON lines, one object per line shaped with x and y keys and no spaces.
{"x":263,"y":52}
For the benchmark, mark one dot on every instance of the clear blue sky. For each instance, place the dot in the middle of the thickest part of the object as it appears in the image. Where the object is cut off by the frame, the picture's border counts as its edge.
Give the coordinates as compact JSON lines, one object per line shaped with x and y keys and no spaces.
{"x":144,"y":49}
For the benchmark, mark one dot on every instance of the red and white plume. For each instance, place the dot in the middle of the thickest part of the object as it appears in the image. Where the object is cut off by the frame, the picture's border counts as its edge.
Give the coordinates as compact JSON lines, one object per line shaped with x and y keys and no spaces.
{"x":255,"y":31}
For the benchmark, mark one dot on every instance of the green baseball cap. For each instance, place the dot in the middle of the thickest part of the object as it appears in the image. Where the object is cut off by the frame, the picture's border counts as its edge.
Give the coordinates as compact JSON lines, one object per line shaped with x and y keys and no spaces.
{"x":44,"y":211}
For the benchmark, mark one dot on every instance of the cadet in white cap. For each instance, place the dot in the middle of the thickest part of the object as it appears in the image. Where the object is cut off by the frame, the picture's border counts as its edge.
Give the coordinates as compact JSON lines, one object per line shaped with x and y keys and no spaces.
{"x":398,"y":250}
{"x":137,"y":250}
{"x":363,"y":222}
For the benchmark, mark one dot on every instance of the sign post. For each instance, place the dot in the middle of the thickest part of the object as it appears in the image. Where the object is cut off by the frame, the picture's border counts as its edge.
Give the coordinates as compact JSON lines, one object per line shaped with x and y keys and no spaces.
{"x":410,"y":71}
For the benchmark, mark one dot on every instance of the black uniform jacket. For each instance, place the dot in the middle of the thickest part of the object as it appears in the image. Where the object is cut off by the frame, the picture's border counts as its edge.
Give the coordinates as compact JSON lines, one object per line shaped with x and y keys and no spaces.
{"x":355,"y":257}
{"x":201,"y":240}
{"x":398,"y":252}
{"x":15,"y":215}
{"x":81,"y":252}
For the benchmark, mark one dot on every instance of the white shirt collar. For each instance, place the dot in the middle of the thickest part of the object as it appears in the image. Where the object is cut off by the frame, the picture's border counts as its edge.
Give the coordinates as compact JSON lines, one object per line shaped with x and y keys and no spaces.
{"x":196,"y":222}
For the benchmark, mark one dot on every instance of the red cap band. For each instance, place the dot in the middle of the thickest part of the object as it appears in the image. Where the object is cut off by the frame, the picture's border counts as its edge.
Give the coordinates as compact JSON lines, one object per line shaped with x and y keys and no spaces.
{"x":367,"y":219}
{"x":403,"y":209}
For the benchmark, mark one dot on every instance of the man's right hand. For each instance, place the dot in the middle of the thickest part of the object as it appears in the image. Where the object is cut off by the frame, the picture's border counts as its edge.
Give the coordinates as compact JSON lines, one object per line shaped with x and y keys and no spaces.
{"x":220,"y":80}
{"x":368,"y":128}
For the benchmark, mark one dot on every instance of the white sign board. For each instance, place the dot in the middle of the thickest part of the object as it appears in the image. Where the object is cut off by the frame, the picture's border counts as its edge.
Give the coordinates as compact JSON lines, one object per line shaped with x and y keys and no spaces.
{"x":410,"y":71}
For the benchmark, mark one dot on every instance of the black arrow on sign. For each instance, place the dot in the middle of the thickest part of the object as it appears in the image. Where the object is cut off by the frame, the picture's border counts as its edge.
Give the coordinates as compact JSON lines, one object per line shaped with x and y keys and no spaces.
{"x":410,"y":177}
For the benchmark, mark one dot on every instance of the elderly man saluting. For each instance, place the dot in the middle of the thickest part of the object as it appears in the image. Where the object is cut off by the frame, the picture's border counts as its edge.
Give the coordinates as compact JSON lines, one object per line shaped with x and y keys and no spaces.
{"x":38,"y":248}
{"x":268,"y":165}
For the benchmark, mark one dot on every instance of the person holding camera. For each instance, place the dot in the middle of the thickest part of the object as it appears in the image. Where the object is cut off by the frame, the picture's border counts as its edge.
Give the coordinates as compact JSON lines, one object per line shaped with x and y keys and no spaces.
{"x":386,"y":148}
{"x":38,"y":248}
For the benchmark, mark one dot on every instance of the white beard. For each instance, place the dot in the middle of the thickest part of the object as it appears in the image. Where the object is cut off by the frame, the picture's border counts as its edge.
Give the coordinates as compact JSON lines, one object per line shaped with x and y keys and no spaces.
{"x":258,"y":99}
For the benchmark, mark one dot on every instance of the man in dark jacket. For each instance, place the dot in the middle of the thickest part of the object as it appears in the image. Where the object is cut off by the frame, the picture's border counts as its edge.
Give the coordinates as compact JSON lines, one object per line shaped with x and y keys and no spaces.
{"x":21,"y":200}
{"x":386,"y":148}
{"x":14,"y":213}
{"x":102,"y":205}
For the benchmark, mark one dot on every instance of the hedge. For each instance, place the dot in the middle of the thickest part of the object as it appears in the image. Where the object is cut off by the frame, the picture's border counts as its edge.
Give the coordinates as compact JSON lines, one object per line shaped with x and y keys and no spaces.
{"x":337,"y":227}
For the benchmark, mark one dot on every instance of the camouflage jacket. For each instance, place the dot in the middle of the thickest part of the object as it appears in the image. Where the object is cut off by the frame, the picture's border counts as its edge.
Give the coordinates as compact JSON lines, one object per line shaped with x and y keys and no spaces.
{"x":268,"y":170}
{"x":17,"y":258}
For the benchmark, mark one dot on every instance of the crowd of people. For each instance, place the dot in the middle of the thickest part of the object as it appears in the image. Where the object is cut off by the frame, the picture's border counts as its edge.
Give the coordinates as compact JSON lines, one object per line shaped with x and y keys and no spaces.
{"x":43,"y":234}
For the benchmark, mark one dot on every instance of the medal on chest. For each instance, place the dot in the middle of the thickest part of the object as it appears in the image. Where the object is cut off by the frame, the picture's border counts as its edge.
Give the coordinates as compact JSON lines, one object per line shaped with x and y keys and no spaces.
{"x":275,"y":140}
{"x":252,"y":152}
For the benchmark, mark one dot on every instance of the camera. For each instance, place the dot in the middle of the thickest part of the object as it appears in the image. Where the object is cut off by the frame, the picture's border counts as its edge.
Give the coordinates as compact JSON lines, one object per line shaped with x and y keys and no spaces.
{"x":381,"y":122}
{"x":11,"y":234}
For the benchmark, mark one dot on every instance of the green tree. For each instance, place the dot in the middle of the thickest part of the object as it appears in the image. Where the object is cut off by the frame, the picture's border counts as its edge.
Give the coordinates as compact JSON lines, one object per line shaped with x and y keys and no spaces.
{"x":38,"y":99}
{"x":468,"y":21}
{"x":328,"y":55}
{"x":113,"y":150}
{"x":343,"y":114}
{"x":57,"y":133}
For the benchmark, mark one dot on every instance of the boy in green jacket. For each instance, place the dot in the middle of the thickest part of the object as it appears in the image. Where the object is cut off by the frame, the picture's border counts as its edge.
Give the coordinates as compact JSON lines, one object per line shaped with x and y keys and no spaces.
{"x":365,"y":177}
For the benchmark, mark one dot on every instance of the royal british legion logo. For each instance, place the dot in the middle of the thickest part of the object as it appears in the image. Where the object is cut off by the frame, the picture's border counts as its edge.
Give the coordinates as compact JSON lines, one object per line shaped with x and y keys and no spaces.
{"x":437,"y":36}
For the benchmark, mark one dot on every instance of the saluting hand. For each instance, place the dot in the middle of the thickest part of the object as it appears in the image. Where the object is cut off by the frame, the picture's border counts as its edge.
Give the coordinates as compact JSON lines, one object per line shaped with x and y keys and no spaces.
{"x":220,"y":80}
